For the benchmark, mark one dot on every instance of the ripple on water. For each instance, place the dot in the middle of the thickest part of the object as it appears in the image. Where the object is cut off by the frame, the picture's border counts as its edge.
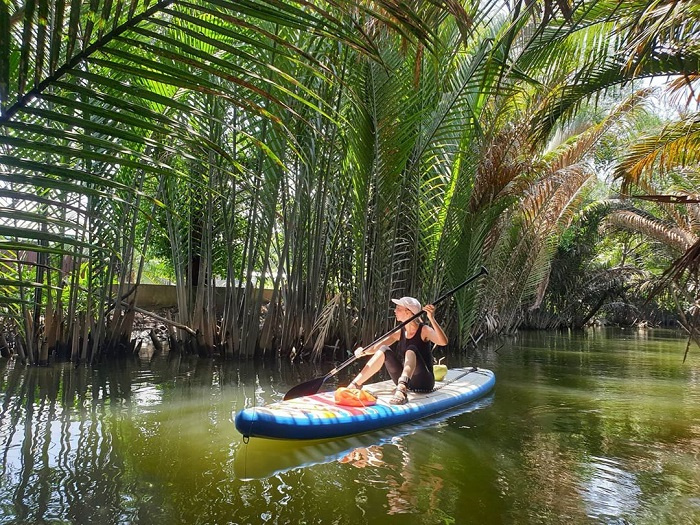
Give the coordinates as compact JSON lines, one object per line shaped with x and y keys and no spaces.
{"x":609,"y":490}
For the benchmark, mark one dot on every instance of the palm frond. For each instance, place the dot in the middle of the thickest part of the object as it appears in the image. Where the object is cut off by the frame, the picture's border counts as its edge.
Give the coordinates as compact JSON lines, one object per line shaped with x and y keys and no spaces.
{"x":647,"y":39}
{"x":671,"y":236}
{"x":675,"y":147}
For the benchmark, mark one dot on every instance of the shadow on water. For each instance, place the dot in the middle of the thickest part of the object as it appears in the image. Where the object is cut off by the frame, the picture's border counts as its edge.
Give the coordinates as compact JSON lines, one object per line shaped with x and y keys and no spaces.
{"x":594,"y":427}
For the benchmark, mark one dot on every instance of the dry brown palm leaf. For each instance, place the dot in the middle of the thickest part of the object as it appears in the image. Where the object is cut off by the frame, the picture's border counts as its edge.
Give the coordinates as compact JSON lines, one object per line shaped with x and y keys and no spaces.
{"x":672,"y":199}
{"x":694,"y":213}
{"x":688,"y":262}
{"x":573,"y":152}
{"x":671,"y":236}
{"x":685,"y":89}
{"x":499,"y":168}
{"x":551,"y":198}
{"x":677,"y":146}
{"x":690,"y":222}
{"x":322,"y":326}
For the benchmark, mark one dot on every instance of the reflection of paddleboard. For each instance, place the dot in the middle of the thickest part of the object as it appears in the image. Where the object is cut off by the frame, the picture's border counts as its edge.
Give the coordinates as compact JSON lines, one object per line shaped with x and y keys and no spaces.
{"x":262,"y":458}
{"x":318,"y":417}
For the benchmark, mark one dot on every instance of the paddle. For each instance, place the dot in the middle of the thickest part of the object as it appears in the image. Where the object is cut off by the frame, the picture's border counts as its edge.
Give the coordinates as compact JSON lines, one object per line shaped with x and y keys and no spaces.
{"x":311,"y":387}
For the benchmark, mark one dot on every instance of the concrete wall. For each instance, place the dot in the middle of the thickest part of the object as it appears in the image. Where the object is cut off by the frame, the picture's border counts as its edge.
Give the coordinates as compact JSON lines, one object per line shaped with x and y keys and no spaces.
{"x":158,"y":296}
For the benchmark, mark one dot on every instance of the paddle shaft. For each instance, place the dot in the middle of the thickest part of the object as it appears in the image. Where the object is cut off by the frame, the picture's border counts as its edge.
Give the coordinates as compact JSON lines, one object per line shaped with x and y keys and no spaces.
{"x":352,"y":359}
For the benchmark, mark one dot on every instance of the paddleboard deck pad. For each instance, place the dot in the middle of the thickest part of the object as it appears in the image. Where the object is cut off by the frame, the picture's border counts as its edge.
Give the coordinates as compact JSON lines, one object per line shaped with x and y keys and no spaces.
{"x":318,"y":416}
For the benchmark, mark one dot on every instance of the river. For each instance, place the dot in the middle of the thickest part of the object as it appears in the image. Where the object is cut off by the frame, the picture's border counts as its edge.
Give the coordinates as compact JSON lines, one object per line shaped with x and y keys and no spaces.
{"x":601,"y":426}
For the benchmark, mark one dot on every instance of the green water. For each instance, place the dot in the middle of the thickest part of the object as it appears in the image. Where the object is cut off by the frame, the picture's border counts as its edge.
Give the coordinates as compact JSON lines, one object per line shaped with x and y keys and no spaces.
{"x":594,"y":427}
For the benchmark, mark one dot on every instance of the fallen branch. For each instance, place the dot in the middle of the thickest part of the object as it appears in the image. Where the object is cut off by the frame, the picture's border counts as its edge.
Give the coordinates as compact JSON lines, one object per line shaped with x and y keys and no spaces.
{"x":159,"y":318}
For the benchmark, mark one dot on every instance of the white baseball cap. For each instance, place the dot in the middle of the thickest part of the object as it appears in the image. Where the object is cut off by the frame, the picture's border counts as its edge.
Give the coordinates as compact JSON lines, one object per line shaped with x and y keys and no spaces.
{"x":410,"y":303}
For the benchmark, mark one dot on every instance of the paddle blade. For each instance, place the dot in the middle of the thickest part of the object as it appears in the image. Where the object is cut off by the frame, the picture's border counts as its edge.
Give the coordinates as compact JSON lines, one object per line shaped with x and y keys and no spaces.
{"x":305,"y":389}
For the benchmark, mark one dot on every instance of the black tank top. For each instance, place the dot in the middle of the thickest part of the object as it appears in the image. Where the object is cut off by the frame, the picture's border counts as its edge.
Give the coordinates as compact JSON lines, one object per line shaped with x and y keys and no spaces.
{"x":422,"y":348}
{"x":416,"y":341}
{"x":423,"y":379}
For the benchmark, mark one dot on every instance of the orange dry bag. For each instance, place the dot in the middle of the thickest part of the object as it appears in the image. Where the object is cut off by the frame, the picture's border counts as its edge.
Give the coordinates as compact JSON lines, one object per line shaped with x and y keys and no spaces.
{"x":354,"y":397}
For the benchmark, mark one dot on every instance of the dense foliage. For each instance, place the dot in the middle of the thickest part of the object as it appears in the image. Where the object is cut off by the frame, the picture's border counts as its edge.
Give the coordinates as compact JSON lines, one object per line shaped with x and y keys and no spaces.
{"x":338,"y":154}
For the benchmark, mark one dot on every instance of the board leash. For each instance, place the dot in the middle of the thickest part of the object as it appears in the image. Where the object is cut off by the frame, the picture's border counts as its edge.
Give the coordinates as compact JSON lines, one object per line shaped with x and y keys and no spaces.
{"x":445,"y":383}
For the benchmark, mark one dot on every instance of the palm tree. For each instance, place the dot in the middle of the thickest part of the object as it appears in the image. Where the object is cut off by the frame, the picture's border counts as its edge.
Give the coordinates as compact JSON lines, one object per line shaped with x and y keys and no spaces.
{"x":110,"y":108}
{"x":336,"y":154}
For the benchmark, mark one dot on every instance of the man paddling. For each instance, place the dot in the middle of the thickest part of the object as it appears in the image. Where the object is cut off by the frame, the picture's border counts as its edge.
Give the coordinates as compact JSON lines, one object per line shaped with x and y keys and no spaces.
{"x":410,"y":361}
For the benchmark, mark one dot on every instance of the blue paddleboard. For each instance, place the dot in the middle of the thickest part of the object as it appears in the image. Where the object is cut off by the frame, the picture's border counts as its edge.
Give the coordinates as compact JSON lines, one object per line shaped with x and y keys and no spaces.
{"x":319,"y":417}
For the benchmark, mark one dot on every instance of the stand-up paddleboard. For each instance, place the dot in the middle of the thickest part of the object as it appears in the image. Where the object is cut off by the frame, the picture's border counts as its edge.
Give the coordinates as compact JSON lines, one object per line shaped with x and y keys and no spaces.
{"x":319,"y":417}
{"x":263,"y":458}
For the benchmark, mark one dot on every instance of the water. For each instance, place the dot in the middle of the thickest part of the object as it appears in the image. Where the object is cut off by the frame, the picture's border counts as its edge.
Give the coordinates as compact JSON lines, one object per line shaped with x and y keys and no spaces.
{"x":594,"y":427}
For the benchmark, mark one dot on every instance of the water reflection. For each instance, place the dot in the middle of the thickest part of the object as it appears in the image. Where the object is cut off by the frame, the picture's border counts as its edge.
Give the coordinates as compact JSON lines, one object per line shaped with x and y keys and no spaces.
{"x":362,"y":457}
{"x":401,"y":480}
{"x":610,"y":490}
{"x":91,"y":445}
{"x":581,"y":428}
{"x":263,"y":458}
{"x":50,"y":437}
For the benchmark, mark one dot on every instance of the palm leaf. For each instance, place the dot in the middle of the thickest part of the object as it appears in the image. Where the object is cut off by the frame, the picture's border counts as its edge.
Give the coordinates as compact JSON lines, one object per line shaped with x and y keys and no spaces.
{"x":676,"y":146}
{"x":667,"y":234}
